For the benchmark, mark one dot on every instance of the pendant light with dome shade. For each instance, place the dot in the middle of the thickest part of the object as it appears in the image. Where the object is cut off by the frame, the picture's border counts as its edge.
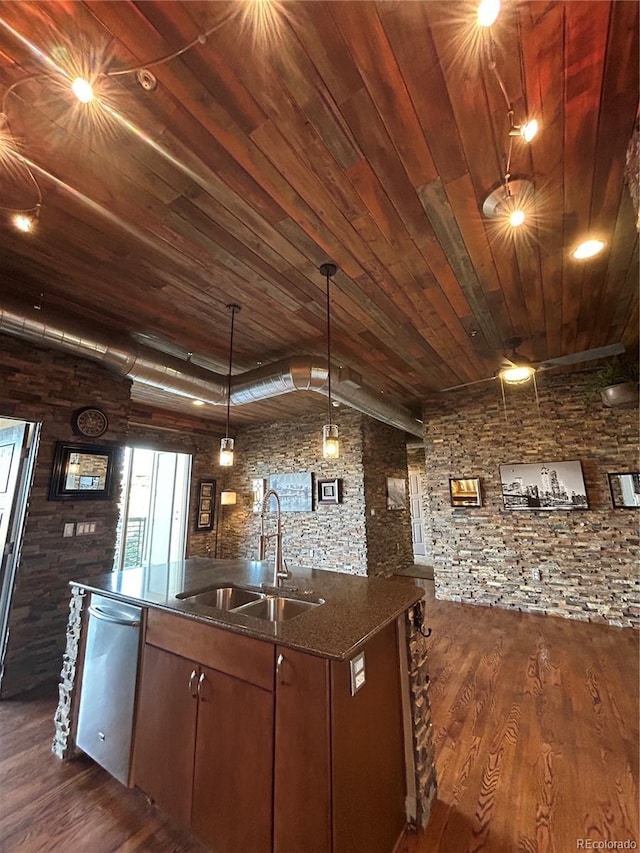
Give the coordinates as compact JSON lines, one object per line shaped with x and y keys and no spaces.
{"x":226,"y":443}
{"x":330,"y":435}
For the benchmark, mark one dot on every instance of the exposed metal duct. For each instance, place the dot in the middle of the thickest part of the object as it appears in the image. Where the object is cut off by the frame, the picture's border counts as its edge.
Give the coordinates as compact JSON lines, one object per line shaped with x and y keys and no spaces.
{"x":151,"y":367}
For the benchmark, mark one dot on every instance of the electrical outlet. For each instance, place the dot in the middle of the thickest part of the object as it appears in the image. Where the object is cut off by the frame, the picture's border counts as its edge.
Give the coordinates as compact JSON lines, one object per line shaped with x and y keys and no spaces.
{"x":536,"y":575}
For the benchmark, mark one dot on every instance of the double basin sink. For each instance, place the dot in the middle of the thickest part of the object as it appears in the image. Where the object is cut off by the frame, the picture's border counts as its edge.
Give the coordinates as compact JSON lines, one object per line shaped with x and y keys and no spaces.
{"x":272,"y":605}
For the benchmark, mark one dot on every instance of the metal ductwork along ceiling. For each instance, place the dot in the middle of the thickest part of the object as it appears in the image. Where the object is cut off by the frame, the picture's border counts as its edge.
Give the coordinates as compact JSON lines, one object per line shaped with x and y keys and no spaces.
{"x":152,"y":367}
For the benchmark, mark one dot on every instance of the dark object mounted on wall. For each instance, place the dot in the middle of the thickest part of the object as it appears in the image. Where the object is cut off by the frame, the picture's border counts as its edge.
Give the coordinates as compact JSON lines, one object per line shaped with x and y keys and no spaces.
{"x":625,"y":489}
{"x":205,"y":510}
{"x":82,"y":472}
{"x":544,"y":486}
{"x":90,"y":422}
{"x":465,"y":491}
{"x":329,"y":491}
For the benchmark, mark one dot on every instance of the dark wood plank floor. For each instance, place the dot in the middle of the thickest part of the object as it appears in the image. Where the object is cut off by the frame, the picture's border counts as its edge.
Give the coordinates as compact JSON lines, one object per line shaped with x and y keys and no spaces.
{"x":536,"y":729}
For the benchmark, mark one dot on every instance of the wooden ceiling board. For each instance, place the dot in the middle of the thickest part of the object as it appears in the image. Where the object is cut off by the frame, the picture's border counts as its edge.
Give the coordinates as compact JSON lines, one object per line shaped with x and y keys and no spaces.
{"x":366,"y":133}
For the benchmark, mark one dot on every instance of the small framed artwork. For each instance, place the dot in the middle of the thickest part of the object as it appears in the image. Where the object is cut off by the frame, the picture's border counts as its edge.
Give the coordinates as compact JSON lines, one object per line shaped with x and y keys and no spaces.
{"x":396,"y":493}
{"x":294,"y":491}
{"x":206,"y":504}
{"x":625,"y":489}
{"x":543,"y":486}
{"x":329,"y":491}
{"x":465,"y":491}
{"x":82,"y":472}
{"x":257,"y":491}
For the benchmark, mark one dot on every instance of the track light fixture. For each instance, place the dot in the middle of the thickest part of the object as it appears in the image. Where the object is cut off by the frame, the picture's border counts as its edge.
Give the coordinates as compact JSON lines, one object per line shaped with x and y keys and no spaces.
{"x":330,"y":434}
{"x":507,"y":201}
{"x":488,"y":11}
{"x":226,"y":443}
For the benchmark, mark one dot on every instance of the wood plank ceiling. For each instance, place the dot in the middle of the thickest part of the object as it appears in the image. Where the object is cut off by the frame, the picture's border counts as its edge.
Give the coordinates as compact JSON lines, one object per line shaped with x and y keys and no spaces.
{"x":366,"y":133}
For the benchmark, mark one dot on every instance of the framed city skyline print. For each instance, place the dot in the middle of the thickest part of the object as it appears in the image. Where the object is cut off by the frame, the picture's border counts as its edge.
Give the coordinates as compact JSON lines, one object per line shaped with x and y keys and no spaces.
{"x":543,"y":486}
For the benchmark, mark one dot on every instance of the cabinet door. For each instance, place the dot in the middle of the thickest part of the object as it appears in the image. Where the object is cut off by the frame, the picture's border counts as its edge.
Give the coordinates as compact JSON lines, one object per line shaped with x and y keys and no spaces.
{"x":166,"y":731}
{"x":233,"y":789}
{"x":302,"y":792}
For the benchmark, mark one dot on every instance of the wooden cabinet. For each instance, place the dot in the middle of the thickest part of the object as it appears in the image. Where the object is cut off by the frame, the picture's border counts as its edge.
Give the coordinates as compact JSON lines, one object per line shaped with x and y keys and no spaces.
{"x":339,"y":762}
{"x":261,"y":758}
{"x":204,"y":737}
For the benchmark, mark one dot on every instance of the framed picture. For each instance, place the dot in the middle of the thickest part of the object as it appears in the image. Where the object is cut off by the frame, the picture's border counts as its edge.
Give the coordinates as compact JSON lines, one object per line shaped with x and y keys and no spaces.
{"x":82,"y":472}
{"x":625,"y":489}
{"x":206,"y":504}
{"x":543,"y":486}
{"x":396,"y":493}
{"x":294,"y":491}
{"x":257,"y":490}
{"x":329,"y":491}
{"x":465,"y":491}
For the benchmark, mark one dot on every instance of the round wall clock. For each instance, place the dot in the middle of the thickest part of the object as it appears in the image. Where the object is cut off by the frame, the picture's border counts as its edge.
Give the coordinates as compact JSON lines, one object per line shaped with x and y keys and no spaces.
{"x":90,"y":422}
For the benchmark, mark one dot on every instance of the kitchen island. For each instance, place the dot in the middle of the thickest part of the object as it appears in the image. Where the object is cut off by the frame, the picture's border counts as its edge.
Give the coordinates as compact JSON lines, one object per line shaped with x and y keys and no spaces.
{"x":263,"y":733}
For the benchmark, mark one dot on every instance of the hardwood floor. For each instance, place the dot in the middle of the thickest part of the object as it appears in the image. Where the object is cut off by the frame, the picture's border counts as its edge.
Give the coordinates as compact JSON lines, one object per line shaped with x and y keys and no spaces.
{"x":75,"y":807}
{"x":536,"y":731}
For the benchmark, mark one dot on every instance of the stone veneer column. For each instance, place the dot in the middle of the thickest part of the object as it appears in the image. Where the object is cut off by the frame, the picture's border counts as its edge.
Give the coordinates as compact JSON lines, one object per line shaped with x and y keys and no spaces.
{"x":422,"y":727}
{"x":62,"y":745}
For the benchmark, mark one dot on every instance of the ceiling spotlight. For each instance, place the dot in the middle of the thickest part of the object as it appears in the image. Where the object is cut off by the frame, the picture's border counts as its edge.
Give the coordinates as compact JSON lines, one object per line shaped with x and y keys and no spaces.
{"x":527,"y":131}
{"x":82,"y":89}
{"x":587,"y":249}
{"x":488,"y":11}
{"x":23,"y":222}
{"x":509,"y":201}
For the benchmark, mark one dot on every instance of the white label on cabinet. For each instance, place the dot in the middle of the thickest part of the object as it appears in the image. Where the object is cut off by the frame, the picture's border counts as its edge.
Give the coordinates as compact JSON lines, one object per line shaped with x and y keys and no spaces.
{"x":356,"y":665}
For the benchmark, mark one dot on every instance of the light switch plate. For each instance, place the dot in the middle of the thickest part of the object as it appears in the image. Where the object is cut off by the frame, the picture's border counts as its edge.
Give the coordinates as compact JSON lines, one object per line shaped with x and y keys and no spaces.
{"x":68,"y":530}
{"x":358,"y":678}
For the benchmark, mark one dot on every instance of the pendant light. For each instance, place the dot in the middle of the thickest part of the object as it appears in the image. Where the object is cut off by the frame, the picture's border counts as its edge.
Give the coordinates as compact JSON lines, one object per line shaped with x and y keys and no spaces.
{"x":330,"y":439}
{"x":226,"y":443}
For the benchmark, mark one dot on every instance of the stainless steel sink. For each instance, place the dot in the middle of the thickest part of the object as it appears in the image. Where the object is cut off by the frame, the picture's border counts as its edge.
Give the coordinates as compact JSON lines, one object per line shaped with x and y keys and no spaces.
{"x":222,"y":597}
{"x":277,"y":608}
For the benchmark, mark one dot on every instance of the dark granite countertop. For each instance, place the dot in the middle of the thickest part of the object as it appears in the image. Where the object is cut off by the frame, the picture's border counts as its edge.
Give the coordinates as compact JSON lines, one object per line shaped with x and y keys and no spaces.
{"x":355,"y":607}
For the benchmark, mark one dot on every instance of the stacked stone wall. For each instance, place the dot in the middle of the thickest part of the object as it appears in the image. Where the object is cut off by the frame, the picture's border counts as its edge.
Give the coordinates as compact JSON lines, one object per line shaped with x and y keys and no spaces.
{"x":586,"y":560}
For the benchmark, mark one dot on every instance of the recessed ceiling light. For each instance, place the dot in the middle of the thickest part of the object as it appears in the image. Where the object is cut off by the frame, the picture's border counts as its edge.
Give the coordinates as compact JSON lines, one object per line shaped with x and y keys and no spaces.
{"x":198,"y":402}
{"x":488,"y":11}
{"x":587,"y":249}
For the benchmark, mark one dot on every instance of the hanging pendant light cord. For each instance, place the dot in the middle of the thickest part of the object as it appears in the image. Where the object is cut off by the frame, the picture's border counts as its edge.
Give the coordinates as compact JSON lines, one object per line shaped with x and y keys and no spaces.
{"x":233,"y":309}
{"x":329,"y":347}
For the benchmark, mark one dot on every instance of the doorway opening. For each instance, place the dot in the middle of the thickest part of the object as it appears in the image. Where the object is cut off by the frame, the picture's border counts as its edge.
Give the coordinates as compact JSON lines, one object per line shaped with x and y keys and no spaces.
{"x":154,"y":508}
{"x":18,"y":448}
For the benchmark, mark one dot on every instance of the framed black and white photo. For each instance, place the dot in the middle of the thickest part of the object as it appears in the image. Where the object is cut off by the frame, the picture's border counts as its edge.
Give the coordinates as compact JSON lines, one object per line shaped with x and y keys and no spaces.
{"x":205,"y":510}
{"x":82,"y":472}
{"x":294,"y":491}
{"x":543,"y":486}
{"x":465,"y":491}
{"x":625,"y":489}
{"x":329,"y":491}
{"x":396,"y":493}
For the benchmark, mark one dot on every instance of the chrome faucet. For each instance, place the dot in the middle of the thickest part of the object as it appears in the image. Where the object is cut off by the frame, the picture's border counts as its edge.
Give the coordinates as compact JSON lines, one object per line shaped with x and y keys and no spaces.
{"x":280,"y":572}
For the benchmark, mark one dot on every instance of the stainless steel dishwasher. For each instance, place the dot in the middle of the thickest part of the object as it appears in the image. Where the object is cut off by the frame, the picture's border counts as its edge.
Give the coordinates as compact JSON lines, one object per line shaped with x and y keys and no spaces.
{"x":107,"y":698}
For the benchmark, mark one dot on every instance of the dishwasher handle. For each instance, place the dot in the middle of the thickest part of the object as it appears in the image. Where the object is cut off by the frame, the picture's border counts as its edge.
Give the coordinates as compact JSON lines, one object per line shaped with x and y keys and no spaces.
{"x":107,"y":617}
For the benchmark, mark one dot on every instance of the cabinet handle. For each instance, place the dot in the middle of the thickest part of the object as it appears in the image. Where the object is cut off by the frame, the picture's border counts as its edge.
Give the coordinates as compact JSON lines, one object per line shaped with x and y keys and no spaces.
{"x":279,"y":662}
{"x":192,"y":678}
{"x":200,"y":683}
